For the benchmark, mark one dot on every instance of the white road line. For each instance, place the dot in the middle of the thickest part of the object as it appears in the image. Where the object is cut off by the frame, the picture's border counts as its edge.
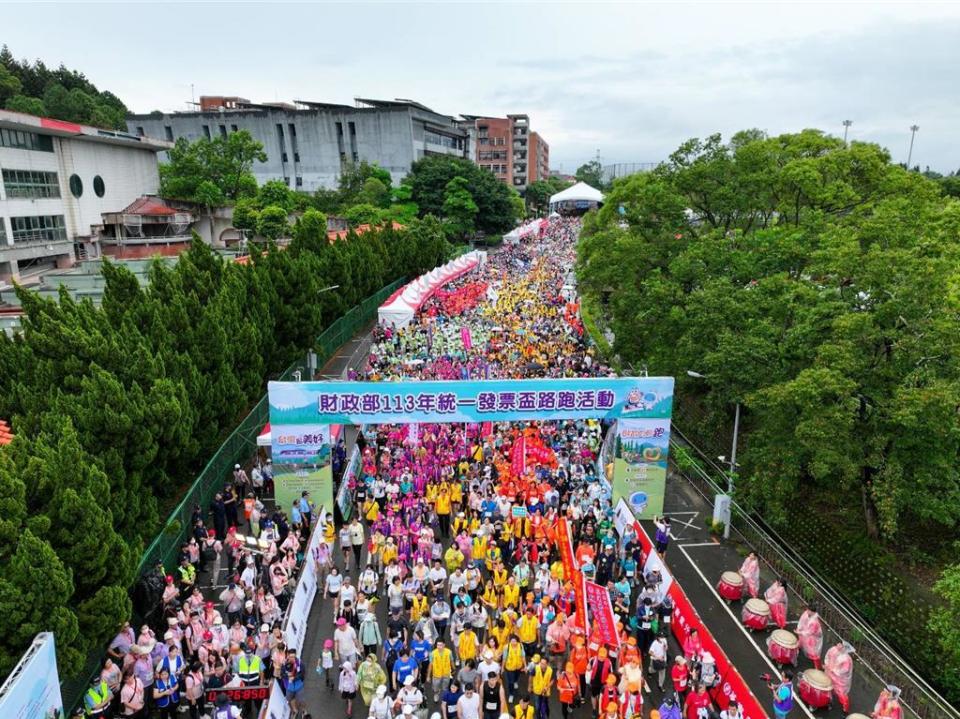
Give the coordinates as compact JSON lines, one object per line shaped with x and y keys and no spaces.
{"x":699,"y":544}
{"x":769,"y":662}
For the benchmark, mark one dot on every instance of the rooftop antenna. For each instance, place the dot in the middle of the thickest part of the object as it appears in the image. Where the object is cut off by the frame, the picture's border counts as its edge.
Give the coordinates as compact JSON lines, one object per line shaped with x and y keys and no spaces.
{"x":193,"y":103}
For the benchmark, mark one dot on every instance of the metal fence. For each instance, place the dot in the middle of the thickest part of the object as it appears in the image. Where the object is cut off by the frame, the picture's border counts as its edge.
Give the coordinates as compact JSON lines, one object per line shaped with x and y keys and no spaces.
{"x":238,"y":447}
{"x":837,"y":612}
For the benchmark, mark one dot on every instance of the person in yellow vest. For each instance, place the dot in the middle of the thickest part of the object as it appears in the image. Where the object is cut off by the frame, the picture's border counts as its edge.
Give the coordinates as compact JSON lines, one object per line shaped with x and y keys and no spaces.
{"x":500,"y":575}
{"x":389,"y":552}
{"x":478,"y":549}
{"x":511,"y":593}
{"x":371,"y":510}
{"x":494,"y":555}
{"x":460,"y":522}
{"x":528,"y":629}
{"x":440,"y":670}
{"x":490,"y":598}
{"x":514,"y":660}
{"x":467,"y":645}
{"x":443,"y":510}
{"x":96,"y":702}
{"x":541,"y":682}
{"x":418,"y":607}
{"x":456,"y":494}
{"x":523,"y":709}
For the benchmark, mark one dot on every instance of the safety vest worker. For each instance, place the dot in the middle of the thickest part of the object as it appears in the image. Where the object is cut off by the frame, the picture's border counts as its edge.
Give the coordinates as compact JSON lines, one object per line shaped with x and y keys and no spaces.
{"x":95,"y":699}
{"x":248,"y":669}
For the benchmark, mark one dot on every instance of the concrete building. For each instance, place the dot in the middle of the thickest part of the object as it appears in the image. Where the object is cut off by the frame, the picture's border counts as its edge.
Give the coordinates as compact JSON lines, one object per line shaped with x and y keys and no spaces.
{"x":57,"y":179}
{"x":507,"y":147}
{"x":309,"y":143}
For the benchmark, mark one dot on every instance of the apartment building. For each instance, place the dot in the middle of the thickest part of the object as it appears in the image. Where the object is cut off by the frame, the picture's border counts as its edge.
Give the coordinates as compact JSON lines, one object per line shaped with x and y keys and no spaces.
{"x":507,"y":147}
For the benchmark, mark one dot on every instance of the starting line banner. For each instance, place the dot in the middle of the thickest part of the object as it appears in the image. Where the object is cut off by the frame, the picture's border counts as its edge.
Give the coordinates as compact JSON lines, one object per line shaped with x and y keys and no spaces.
{"x":32,"y":691}
{"x":302,"y":411}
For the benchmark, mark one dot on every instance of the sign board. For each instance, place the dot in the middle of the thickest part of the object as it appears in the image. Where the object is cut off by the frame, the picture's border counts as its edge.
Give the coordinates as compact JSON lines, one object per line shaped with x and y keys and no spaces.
{"x":640,"y":464}
{"x":32,"y":691}
{"x":240,"y":694}
{"x":519,"y":512}
{"x":299,"y":409}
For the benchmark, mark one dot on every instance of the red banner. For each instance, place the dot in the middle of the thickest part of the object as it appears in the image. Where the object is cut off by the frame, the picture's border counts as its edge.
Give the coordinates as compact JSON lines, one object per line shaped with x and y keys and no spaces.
{"x":685,"y":619}
{"x":519,"y":458}
{"x":602,"y":617}
{"x":570,"y":571}
{"x":486,"y":429}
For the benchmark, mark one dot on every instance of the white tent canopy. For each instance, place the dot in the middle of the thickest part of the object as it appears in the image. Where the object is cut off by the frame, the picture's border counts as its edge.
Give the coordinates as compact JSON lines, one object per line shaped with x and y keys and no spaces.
{"x":581,"y":192}
{"x":402,"y":306}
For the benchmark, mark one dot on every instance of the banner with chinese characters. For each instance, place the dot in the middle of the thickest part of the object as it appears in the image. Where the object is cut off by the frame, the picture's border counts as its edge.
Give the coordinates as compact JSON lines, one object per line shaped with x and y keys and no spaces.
{"x":302,"y":405}
{"x":640,"y":465}
{"x":602,"y":618}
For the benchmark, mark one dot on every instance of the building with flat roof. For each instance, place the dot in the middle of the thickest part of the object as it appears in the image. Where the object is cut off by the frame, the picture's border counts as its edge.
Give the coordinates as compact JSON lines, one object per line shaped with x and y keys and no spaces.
{"x":309,"y":143}
{"x":507,"y":147}
{"x":57,"y":180}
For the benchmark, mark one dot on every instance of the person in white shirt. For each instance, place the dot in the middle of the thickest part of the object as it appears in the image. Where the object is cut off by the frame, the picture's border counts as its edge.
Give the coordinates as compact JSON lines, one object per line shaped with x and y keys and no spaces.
{"x":438,"y":577}
{"x":658,"y":659}
{"x":348,"y":592}
{"x":468,"y":706}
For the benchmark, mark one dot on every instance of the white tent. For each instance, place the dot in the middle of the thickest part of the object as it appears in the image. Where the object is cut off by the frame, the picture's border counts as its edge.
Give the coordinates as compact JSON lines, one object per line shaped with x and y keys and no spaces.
{"x":581,"y":192}
{"x":400,"y":309}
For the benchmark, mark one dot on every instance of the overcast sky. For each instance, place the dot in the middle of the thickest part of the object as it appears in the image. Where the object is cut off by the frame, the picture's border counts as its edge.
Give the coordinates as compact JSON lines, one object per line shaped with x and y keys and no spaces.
{"x":629,"y":80}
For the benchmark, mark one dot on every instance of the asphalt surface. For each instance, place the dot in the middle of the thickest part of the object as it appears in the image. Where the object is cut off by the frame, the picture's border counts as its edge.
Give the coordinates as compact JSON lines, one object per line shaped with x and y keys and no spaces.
{"x":697,"y":560}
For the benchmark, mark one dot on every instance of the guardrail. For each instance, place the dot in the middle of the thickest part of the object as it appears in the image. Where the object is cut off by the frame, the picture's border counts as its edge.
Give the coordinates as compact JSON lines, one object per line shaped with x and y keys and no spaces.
{"x":919,"y":698}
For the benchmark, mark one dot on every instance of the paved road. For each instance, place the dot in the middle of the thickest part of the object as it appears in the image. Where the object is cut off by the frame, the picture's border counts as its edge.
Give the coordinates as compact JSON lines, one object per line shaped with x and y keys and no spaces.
{"x":696,"y":560}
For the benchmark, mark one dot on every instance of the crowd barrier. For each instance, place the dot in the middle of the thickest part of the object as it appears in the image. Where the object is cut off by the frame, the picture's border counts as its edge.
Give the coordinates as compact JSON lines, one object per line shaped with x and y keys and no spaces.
{"x":685,"y":619}
{"x":238,"y":447}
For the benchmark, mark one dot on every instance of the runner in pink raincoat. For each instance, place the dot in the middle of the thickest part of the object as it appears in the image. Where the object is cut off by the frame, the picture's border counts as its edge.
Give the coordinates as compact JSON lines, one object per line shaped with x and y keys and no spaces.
{"x":776,"y":597}
{"x":810,"y":633}
{"x":750,"y":571}
{"x":838,"y":664}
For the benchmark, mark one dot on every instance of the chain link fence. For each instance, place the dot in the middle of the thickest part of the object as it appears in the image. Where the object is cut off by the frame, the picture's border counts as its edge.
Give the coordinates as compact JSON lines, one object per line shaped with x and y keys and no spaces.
{"x":238,"y":447}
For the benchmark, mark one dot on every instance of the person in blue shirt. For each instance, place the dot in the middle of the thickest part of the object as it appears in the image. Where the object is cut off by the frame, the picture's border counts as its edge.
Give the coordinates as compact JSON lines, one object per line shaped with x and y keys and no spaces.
{"x":166,"y":694}
{"x":449,"y":699}
{"x":405,"y":666}
{"x":421,"y":649}
{"x":488,"y":508}
{"x":782,"y":695}
{"x":629,"y":566}
{"x":306,"y":509}
{"x":391,"y":655}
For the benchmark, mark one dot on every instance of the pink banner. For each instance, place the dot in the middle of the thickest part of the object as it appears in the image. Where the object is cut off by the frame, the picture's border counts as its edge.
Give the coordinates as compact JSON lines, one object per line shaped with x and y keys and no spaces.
{"x":486,"y":429}
{"x":467,"y":339}
{"x":602,"y":617}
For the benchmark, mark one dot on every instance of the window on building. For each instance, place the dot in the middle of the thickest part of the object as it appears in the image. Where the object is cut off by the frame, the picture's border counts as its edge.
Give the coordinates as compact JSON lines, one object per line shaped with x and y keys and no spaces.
{"x":3,"y":232}
{"x":283,"y":149}
{"x":98,"y":187}
{"x":140,"y":132}
{"x":30,"y":184}
{"x":42,"y":228}
{"x":286,"y":181}
{"x":233,"y":128}
{"x":76,"y":186}
{"x":25,"y":140}
{"x":168,"y":133}
{"x":299,"y":182}
{"x":206,"y":131}
{"x":293,"y":141}
{"x":223,"y":131}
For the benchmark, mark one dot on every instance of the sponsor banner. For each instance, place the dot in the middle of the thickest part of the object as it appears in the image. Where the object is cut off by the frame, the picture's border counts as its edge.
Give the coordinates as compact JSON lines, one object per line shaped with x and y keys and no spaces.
{"x":299,"y":443}
{"x":277,"y":707}
{"x":602,"y":618}
{"x":33,"y":689}
{"x":622,"y":520}
{"x":290,"y":481}
{"x":295,"y":623}
{"x":347,"y":483}
{"x":314,"y":404}
{"x":640,"y":464}
{"x":685,"y":619}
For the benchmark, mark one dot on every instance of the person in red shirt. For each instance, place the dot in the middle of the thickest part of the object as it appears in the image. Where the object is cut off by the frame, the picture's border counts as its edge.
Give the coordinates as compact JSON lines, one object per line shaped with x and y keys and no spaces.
{"x":680,"y":676}
{"x":697,"y":704}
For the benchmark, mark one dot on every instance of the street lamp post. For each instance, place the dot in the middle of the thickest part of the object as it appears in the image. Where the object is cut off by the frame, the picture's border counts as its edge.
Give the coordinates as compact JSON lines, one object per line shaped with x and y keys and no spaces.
{"x":913,"y":134}
{"x":846,"y":127}
{"x":733,"y":451}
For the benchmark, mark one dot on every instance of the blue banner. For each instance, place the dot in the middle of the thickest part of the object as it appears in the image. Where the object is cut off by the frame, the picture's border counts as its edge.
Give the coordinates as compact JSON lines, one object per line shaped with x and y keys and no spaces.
{"x":33,"y":691}
{"x":315,"y":404}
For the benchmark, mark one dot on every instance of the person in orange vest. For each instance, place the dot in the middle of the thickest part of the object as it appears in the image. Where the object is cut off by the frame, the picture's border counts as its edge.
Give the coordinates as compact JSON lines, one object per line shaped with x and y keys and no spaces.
{"x":568,"y":686}
{"x":579,"y":658}
{"x":611,"y":711}
{"x":598,"y":671}
{"x":629,"y":650}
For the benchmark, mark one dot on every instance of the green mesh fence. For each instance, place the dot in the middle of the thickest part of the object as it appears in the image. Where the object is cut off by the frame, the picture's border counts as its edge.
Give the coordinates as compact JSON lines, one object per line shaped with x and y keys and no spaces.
{"x":238,"y":447}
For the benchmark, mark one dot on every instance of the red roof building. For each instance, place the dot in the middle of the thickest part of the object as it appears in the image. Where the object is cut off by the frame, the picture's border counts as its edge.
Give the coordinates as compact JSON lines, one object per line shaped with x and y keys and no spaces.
{"x":6,"y":434}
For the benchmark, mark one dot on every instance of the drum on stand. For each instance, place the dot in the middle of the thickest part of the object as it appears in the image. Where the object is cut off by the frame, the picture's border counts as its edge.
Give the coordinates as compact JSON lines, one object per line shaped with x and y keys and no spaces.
{"x":783,"y":647}
{"x":755,"y":614}
{"x":857,"y":715}
{"x":730,"y":586}
{"x":815,"y":688}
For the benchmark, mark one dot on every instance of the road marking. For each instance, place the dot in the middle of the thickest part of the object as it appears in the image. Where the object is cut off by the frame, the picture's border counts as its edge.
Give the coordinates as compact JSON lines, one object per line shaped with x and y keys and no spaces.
{"x":766,"y":659}
{"x":699,"y":544}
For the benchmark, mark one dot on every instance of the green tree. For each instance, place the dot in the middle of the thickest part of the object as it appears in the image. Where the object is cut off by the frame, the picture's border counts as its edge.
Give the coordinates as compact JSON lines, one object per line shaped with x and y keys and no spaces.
{"x":362,"y":214}
{"x":354,"y":176}
{"x":224,"y":162}
{"x":27,"y":105}
{"x":276,"y":192}
{"x":428,"y":178}
{"x":246,"y":214}
{"x":10,"y":85}
{"x":591,"y":173}
{"x":945,"y":626}
{"x":272,"y":223}
{"x":375,"y":193}
{"x":459,"y":209}
{"x":311,"y":231}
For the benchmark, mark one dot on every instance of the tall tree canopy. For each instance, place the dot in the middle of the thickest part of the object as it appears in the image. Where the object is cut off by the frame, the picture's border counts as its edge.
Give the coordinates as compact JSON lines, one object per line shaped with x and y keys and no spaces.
{"x":61,"y":93}
{"x":214,"y":171}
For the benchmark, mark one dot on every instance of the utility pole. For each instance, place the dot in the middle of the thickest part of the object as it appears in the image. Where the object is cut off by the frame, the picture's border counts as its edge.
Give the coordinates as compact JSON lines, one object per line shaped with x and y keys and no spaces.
{"x":913,"y":134}
{"x":846,"y":128}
